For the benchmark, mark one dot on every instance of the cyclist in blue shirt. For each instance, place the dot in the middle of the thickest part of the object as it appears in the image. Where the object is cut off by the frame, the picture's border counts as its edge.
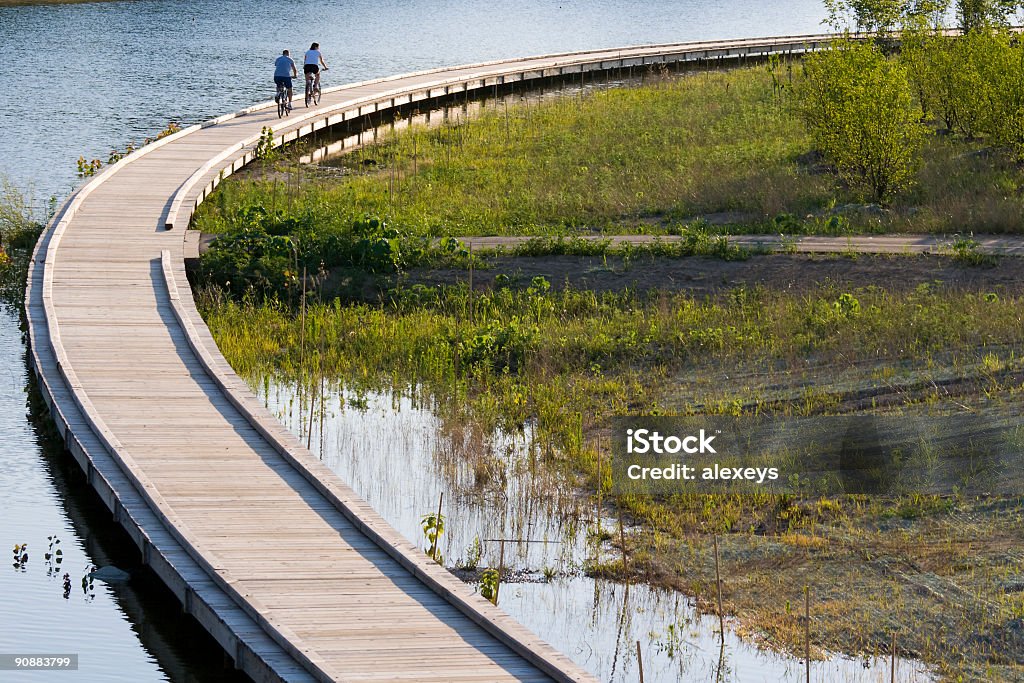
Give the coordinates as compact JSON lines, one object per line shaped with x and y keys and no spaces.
{"x":284,"y":71}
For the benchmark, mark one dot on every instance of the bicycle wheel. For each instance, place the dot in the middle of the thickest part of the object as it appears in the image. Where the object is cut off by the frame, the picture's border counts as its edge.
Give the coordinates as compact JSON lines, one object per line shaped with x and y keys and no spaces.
{"x":316,"y":95}
{"x":282,"y":102}
{"x":309,"y":92}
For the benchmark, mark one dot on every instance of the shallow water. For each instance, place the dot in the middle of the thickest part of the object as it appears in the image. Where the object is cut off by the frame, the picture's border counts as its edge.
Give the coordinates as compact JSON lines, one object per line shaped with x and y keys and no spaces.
{"x":400,"y":456}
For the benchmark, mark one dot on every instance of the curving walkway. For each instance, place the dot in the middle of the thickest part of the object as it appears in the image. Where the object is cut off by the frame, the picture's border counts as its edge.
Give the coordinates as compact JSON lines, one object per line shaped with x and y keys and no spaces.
{"x":290,"y":571}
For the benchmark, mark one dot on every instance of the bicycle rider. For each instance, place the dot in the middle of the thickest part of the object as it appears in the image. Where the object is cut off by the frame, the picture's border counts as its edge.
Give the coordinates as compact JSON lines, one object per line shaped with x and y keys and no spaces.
{"x":284,"y":71}
{"x":311,"y":65}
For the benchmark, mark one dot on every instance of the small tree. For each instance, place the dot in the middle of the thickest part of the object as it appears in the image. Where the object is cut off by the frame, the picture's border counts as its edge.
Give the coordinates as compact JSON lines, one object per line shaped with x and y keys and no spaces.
{"x":882,"y":16}
{"x":1001,"y":71}
{"x":861,"y":113}
{"x":977,"y":14}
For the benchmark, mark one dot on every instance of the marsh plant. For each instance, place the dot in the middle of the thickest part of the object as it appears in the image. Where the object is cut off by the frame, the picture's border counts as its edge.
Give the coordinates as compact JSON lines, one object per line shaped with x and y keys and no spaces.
{"x":489,"y":581}
{"x":20,"y":556}
{"x":90,"y":167}
{"x":54,"y":555}
{"x":433,"y":526}
{"x":473,"y":555}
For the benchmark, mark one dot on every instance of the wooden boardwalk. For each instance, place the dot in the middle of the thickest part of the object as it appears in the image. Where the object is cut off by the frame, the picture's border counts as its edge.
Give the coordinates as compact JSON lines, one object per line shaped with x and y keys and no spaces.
{"x":288,"y":569}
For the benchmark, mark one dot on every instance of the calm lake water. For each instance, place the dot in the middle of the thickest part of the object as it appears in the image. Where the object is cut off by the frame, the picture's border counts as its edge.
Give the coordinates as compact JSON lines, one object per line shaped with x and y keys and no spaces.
{"x":92,"y":77}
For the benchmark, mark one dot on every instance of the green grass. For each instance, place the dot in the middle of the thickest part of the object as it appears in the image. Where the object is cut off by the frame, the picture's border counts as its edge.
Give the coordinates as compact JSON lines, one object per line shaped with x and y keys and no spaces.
{"x":610,"y":160}
{"x":632,"y":159}
{"x":519,"y":352}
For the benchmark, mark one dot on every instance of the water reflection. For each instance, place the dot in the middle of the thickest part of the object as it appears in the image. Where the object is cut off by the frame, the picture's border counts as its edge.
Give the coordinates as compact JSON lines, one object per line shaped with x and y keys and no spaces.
{"x":400,"y":456}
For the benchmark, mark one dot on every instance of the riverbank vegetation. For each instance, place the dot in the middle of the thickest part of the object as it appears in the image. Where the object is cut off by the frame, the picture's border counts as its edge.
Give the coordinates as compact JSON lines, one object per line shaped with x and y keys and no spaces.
{"x":356,"y":273}
{"x":20,"y":227}
{"x":851,"y":140}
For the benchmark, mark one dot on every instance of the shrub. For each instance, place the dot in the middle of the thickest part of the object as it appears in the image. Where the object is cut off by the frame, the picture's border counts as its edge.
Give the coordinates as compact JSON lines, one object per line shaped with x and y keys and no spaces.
{"x":974,"y":83}
{"x":500,"y":347}
{"x":861,"y":113}
{"x":881,"y":15}
{"x":977,"y":14}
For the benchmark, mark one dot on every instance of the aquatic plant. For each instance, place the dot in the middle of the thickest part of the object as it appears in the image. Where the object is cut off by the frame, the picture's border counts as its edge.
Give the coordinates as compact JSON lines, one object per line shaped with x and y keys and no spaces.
{"x":20,"y":556}
{"x":473,"y":554}
{"x":489,"y":583}
{"x":433,"y":526}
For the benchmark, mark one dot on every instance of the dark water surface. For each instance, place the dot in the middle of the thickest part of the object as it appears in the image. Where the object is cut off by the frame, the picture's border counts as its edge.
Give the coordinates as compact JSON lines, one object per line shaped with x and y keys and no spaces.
{"x":91,"y":77}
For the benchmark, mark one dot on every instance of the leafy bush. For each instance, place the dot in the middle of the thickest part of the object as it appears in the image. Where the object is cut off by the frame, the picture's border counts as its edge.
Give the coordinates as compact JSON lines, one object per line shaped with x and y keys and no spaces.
{"x":880,"y":15}
{"x":500,"y":347}
{"x":979,"y":14}
{"x":266,"y":252}
{"x":859,"y":107}
{"x":974,"y":83}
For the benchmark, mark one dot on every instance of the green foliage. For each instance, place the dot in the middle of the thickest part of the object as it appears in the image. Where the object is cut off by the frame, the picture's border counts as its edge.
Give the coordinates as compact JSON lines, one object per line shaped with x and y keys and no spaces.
{"x":88,"y":168}
{"x":252,"y":261}
{"x":433,"y":526}
{"x":489,"y":585}
{"x":474,"y":552}
{"x":973,"y":15}
{"x":267,"y":251}
{"x":676,"y":147}
{"x":965,"y":251}
{"x":881,"y":16}
{"x":377,"y":248}
{"x":974,"y":83}
{"x":859,"y":107}
{"x":1003,"y":93}
{"x":499,"y":347}
{"x":20,"y":227}
{"x":265,"y":145}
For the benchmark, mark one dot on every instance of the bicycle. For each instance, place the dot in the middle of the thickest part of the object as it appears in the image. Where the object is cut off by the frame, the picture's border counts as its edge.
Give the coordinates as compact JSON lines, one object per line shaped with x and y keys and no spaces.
{"x":283,"y":106}
{"x":313,"y":89}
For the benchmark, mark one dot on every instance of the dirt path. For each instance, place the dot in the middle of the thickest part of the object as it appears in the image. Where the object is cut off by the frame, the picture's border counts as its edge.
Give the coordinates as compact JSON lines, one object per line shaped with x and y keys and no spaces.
{"x":866,"y":244}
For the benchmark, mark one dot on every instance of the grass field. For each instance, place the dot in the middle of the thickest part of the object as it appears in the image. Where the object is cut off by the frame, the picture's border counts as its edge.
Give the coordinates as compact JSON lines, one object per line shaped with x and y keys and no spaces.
{"x":638,"y":159}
